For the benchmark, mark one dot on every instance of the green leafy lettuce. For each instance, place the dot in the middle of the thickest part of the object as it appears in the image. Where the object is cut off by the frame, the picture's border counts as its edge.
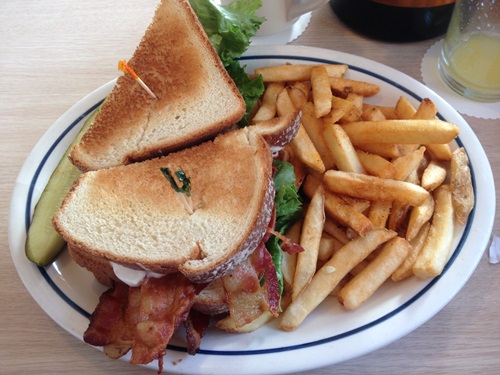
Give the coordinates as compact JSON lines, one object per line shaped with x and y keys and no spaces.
{"x":288,"y":210}
{"x":229,"y":28}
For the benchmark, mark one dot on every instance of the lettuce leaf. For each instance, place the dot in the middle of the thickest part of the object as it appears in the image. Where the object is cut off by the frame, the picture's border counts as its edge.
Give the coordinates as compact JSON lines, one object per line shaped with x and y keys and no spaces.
{"x":288,"y":210}
{"x":229,"y":29}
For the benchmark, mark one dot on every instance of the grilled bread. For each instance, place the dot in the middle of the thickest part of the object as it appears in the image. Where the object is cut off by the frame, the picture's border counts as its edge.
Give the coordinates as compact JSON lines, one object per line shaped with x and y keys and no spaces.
{"x":196,"y":98}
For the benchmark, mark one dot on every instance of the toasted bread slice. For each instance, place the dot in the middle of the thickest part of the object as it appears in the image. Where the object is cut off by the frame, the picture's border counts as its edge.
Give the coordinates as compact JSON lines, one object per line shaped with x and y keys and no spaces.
{"x":196,"y":97}
{"x":132,"y":216}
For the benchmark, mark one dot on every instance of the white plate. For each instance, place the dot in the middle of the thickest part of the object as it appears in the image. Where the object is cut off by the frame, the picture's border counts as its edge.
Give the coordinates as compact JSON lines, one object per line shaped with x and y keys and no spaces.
{"x":68,"y":294}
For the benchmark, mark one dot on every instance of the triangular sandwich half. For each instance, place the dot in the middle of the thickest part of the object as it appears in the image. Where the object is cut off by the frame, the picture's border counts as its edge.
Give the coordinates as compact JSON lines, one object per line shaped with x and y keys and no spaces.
{"x":196,"y":98}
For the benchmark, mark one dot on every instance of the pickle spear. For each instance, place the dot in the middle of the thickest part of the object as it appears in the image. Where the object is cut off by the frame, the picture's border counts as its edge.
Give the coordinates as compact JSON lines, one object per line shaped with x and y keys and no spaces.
{"x":43,"y":243}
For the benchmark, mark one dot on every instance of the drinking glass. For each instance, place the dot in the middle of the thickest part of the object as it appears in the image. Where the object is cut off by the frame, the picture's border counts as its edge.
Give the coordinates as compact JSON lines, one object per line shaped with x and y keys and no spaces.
{"x":470,"y":58}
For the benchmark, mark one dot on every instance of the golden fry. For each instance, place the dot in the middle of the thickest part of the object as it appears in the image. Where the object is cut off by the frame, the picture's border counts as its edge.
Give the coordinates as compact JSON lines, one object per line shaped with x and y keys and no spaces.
{"x":364,"y":284}
{"x":314,"y":128}
{"x":376,"y":165}
{"x":374,"y":188}
{"x":405,"y":270}
{"x":321,"y":91}
{"x":404,"y":109}
{"x":310,"y":238}
{"x":426,"y":110}
{"x":338,"y":209}
{"x":433,"y":176}
{"x":419,"y":216}
{"x":267,"y":109}
{"x":435,"y":254}
{"x":401,"y":131}
{"x":343,"y":87}
{"x":406,"y":164}
{"x":341,"y":149}
{"x":461,"y":185}
{"x":292,"y":73}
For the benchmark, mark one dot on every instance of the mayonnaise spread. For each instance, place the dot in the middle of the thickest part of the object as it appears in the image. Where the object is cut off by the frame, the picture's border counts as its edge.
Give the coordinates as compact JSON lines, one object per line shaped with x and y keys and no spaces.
{"x":133,"y":277}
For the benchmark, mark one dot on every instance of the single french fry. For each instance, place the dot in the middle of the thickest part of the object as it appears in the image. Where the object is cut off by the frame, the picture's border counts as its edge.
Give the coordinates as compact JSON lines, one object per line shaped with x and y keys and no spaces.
{"x":397,"y":217}
{"x":419,"y":216}
{"x":374,"y":188}
{"x":328,"y":276}
{"x":405,"y":270}
{"x":335,"y":231}
{"x":433,"y":176}
{"x":461,"y":185}
{"x":379,"y":213}
{"x":343,"y":87}
{"x":267,"y":109}
{"x":310,"y":238}
{"x":334,"y":116}
{"x":435,"y":254}
{"x":338,"y":209}
{"x":351,"y":111}
{"x":303,"y":86}
{"x":314,"y":128}
{"x":389,"y":112}
{"x":298,"y":97}
{"x":357,"y":100}
{"x":404,"y":109}
{"x":321,"y":91}
{"x":302,"y":145}
{"x":292,"y":73}
{"x":372,"y":113}
{"x":401,"y":131}
{"x":439,"y":151}
{"x":341,"y":149}
{"x":385,"y":150}
{"x":364,"y":284}
{"x":327,"y":246}
{"x":360,"y":205}
{"x":406,"y":164}
{"x":426,"y":110}
{"x":306,"y":152}
{"x":376,"y":165}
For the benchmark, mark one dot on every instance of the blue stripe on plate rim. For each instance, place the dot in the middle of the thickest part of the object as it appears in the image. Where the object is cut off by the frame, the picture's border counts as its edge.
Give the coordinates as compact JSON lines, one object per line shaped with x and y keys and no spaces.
{"x":86,"y":314}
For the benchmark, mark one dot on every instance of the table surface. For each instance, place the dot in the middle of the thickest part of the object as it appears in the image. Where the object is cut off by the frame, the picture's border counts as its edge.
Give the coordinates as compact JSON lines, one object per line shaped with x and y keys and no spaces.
{"x":54,"y":52}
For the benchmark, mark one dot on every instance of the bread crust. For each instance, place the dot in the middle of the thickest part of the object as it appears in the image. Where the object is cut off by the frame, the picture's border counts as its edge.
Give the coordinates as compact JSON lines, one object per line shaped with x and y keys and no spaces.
{"x":197,"y":99}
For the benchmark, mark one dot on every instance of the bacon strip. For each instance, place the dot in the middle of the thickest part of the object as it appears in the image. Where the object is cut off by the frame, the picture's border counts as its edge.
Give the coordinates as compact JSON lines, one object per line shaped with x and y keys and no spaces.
{"x":108,"y":324}
{"x":196,"y":326}
{"x":142,"y":318}
{"x":246,"y":297}
{"x":165,"y":304}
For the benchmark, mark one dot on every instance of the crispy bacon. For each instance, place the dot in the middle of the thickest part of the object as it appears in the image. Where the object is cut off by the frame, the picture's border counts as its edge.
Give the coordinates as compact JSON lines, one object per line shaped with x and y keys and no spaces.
{"x":165,"y":304}
{"x":196,"y":326}
{"x":109,"y":326}
{"x":141,"y":318}
{"x":247,"y":298}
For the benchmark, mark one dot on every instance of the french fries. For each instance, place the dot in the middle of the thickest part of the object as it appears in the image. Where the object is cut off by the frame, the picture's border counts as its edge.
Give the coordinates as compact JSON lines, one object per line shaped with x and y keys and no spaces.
{"x":385,"y":188}
{"x":328,"y":276}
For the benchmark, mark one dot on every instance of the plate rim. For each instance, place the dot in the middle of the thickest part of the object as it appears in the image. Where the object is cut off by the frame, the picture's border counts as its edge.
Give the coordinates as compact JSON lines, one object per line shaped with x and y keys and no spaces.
{"x":277,"y":52}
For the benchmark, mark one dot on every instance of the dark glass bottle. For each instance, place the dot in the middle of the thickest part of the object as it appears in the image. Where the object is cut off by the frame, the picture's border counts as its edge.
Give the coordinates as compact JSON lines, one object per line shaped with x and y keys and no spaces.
{"x":395,"y":20}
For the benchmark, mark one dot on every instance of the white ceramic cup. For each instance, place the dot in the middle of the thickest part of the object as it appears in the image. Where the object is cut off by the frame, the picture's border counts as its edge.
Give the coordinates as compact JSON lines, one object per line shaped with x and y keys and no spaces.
{"x":281,"y":14}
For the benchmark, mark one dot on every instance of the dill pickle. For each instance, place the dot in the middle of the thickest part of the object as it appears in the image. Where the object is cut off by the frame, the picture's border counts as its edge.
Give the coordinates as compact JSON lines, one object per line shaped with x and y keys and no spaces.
{"x":43,"y":243}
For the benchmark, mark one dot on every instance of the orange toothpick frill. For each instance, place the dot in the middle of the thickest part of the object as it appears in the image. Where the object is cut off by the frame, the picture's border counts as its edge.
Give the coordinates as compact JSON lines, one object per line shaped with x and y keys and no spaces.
{"x":124,"y":67}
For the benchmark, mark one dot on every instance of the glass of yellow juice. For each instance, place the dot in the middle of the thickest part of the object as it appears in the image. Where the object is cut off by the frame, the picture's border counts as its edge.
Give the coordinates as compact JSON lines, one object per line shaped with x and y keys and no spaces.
{"x":470,"y":58}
